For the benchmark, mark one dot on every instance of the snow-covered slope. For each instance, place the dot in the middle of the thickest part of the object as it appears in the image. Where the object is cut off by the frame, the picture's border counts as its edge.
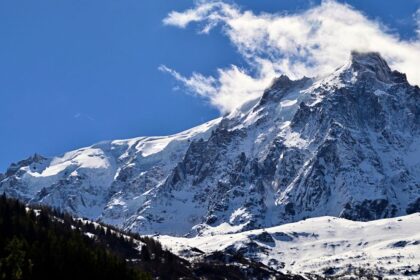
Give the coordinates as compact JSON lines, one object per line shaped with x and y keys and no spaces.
{"x":325,"y":246}
{"x":345,"y":145}
{"x":107,"y":181}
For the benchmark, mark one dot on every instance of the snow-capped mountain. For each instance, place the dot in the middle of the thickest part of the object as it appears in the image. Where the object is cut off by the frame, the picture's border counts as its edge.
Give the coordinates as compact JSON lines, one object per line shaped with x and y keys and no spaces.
{"x":344,"y":145}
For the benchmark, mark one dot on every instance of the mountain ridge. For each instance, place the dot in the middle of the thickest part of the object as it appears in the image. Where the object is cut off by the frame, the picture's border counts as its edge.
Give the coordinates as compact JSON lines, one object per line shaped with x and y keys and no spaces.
{"x":343,"y":145}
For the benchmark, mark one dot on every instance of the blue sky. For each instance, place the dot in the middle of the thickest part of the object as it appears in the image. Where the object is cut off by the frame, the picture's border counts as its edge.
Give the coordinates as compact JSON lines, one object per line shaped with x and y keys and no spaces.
{"x":73,"y":73}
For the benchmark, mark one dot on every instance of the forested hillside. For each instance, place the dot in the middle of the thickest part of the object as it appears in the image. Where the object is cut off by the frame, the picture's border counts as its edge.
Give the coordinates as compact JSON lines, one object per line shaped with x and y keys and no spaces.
{"x":43,"y":243}
{"x":33,"y":246}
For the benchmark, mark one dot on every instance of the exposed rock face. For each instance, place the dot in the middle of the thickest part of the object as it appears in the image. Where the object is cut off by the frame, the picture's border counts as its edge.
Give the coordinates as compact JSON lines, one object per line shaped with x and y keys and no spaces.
{"x":344,"y":145}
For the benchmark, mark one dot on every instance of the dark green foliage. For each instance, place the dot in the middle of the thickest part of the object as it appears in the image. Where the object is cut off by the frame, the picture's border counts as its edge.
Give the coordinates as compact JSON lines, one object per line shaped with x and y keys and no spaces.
{"x":41,"y":247}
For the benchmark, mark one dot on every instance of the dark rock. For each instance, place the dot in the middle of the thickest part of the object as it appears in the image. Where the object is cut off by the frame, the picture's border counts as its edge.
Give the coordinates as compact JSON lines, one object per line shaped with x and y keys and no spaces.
{"x":400,"y":244}
{"x":368,"y":210}
{"x":263,"y":237}
{"x":414,"y":207}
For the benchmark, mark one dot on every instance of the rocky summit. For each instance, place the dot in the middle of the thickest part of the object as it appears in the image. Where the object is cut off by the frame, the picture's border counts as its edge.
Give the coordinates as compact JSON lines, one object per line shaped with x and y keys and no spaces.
{"x":344,"y":145}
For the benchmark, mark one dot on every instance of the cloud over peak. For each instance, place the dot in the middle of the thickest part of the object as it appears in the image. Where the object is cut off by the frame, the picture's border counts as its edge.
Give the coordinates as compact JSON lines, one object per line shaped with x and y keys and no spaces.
{"x":308,"y":43}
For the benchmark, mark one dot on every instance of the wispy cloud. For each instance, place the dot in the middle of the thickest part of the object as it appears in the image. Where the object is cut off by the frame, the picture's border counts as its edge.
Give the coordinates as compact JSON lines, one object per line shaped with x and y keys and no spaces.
{"x":83,"y":116}
{"x":232,"y":87}
{"x":310,"y":43}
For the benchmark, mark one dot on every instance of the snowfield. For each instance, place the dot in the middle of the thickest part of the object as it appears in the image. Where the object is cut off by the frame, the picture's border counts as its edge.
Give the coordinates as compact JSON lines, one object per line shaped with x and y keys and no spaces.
{"x":325,"y":246}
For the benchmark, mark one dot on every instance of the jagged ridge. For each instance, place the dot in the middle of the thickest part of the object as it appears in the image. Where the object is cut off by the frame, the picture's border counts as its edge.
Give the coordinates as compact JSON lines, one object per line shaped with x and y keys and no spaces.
{"x":344,"y":145}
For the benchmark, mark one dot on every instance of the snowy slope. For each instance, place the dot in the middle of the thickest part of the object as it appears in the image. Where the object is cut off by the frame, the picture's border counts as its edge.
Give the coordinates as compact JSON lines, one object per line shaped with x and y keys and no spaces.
{"x":325,"y":246}
{"x":98,"y":181}
{"x":344,"y":145}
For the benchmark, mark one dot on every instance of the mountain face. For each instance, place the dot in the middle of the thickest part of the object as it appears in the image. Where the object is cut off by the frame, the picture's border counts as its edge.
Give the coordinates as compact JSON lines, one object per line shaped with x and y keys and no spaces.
{"x":344,"y":145}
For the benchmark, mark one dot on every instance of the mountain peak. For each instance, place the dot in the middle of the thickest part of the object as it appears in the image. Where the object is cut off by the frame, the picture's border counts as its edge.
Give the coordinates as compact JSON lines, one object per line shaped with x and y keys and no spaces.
{"x":368,"y":58}
{"x":371,"y":63}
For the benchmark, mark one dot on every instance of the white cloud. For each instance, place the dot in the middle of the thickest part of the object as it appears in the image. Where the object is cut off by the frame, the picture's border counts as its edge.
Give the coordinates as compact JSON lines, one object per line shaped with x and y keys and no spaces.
{"x":202,"y":85}
{"x":310,"y":43}
{"x":232,"y":87}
